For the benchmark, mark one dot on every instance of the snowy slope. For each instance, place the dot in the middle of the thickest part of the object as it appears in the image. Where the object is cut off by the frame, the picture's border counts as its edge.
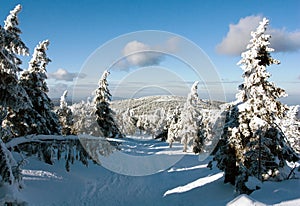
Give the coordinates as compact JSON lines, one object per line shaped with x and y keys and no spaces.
{"x":186,"y":182}
{"x":151,"y":103}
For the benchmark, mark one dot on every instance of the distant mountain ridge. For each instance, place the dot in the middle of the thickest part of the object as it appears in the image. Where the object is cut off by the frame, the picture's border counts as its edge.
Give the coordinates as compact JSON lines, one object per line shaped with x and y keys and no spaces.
{"x":149,"y":104}
{"x":158,"y":101}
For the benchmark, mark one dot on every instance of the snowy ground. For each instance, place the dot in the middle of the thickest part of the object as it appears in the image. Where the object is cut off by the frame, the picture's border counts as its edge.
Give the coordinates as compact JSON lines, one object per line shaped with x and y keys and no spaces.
{"x":186,"y":182}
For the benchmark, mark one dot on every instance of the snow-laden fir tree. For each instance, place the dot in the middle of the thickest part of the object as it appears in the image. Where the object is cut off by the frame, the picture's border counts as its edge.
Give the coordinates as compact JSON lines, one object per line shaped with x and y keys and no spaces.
{"x":34,"y":82}
{"x":9,"y":172}
{"x":290,"y":126}
{"x":85,"y":119}
{"x":154,"y":123}
{"x":128,"y":121}
{"x":160,"y":124}
{"x":6,"y":161}
{"x":13,"y":97}
{"x":140,"y":123}
{"x":252,"y":143}
{"x":173,"y":127}
{"x":190,"y":120}
{"x":104,"y":114}
{"x":11,"y":45}
{"x":65,"y":116}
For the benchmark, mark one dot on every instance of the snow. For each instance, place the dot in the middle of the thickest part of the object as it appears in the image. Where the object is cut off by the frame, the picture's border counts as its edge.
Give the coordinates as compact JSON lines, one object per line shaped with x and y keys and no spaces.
{"x":36,"y":138}
{"x":253,"y":183}
{"x":244,"y":200}
{"x":295,"y":202}
{"x":197,"y":183}
{"x":186,"y":181}
{"x":298,"y":112}
{"x":39,"y":175}
{"x":188,"y":168}
{"x":9,"y":193}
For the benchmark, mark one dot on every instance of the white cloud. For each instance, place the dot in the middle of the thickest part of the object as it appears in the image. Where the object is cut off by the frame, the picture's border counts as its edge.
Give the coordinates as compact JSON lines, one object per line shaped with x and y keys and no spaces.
{"x":283,"y":41}
{"x":238,"y":37}
{"x":62,"y":74}
{"x":171,"y":45}
{"x":139,"y":54}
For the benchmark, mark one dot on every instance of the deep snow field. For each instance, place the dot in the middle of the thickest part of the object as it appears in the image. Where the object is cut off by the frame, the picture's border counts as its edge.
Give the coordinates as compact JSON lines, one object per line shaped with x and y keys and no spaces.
{"x":183,"y":180}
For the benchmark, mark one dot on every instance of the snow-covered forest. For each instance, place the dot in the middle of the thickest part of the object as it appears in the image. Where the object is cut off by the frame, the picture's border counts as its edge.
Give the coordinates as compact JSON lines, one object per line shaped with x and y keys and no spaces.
{"x":239,"y":152}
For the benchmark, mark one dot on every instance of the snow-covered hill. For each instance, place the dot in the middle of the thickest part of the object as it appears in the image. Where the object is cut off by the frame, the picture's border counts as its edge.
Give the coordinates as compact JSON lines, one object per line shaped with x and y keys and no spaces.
{"x":149,"y":104}
{"x":187,"y":181}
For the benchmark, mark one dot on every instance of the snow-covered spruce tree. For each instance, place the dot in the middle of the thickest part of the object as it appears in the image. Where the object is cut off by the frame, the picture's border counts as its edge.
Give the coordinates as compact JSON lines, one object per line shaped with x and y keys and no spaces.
{"x":252,"y":144}
{"x":104,"y":114}
{"x":11,"y":94}
{"x":85,"y":119}
{"x":34,"y":82}
{"x":140,"y":123}
{"x":160,"y":124}
{"x":173,"y":127}
{"x":10,"y":46}
{"x":13,"y":97}
{"x":9,"y":170}
{"x":190,"y":120}
{"x":65,"y":115}
{"x":154,"y":123}
{"x":290,"y":126}
{"x":128,"y":121}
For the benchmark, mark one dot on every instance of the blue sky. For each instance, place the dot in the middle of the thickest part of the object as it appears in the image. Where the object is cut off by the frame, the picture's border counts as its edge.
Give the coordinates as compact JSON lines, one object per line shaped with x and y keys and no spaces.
{"x":77,"y":28}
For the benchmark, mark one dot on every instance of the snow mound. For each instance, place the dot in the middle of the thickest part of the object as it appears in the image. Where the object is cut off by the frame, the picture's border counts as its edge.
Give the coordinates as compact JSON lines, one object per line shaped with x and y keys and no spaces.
{"x":244,"y":200}
{"x":295,"y":202}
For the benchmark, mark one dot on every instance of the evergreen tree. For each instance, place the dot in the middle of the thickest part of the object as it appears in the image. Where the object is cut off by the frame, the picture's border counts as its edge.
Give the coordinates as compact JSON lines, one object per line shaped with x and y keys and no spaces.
{"x":11,"y":94}
{"x":65,"y":116}
{"x":140,"y":123}
{"x":6,"y":174}
{"x":13,"y":97}
{"x":253,"y":144}
{"x":290,"y":126}
{"x":85,"y":119}
{"x":173,"y":128}
{"x":128,"y":122}
{"x":104,"y":114}
{"x":9,"y":170}
{"x":190,"y":119}
{"x":160,"y":124}
{"x":34,"y":82}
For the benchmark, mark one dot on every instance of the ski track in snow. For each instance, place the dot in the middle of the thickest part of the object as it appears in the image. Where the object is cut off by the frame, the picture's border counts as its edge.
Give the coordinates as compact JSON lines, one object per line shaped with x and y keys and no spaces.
{"x":198,"y":183}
